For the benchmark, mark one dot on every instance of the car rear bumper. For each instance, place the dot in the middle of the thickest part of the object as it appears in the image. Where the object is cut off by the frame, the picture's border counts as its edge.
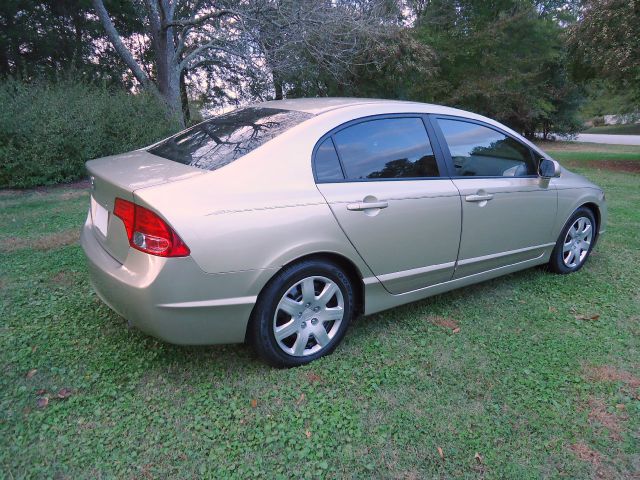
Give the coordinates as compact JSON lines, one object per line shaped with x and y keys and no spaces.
{"x":172,"y":298}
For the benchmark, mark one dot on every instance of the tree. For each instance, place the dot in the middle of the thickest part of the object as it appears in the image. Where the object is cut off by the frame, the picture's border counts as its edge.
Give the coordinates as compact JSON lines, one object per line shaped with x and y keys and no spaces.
{"x":250,"y":46}
{"x":503,"y":59}
{"x":605,"y":44}
{"x":179,"y":38}
{"x":47,"y":38}
{"x":320,"y":47}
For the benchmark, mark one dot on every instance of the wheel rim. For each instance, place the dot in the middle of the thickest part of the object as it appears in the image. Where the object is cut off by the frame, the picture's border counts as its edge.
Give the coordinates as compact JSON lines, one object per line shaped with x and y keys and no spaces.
{"x":577,"y":242}
{"x":308,"y":316}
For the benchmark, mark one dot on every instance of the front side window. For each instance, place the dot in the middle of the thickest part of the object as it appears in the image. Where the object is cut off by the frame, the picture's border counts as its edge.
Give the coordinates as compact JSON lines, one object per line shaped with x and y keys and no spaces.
{"x":479,"y":151}
{"x":221,"y":140}
{"x":386,"y":148}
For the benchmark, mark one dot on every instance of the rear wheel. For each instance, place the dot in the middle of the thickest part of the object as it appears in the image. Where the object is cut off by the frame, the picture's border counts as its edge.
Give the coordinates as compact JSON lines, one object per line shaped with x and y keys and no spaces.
{"x":302,"y":314}
{"x":574,"y":243}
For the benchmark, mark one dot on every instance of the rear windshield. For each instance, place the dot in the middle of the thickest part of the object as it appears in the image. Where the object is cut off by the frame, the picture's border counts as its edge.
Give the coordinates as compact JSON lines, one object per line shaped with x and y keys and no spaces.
{"x":221,"y":140}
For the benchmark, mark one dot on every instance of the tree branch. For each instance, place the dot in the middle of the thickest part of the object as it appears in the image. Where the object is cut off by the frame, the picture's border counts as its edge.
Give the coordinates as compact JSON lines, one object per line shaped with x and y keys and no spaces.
{"x":184,"y":64}
{"x":190,"y":22}
{"x":117,"y":43}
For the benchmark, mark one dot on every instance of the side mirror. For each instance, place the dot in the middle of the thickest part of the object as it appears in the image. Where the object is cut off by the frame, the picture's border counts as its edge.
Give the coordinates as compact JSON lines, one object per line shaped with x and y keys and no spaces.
{"x":549,"y":168}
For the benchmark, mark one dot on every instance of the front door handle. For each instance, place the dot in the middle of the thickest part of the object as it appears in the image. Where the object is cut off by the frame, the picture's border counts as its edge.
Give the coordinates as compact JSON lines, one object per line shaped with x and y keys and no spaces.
{"x":366,"y":205}
{"x":478,"y":198}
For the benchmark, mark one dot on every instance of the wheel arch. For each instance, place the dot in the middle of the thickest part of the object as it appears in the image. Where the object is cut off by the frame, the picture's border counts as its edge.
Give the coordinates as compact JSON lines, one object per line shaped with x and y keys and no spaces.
{"x":350,"y":268}
{"x":595,"y":209}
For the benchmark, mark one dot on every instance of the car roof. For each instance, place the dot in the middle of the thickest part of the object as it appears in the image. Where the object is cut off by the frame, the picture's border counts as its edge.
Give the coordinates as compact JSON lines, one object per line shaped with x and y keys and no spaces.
{"x":317,"y":106}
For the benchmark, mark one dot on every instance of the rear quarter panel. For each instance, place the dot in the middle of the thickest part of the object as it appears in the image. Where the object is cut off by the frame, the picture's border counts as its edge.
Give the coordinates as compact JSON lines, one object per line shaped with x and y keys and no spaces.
{"x":259,"y":212}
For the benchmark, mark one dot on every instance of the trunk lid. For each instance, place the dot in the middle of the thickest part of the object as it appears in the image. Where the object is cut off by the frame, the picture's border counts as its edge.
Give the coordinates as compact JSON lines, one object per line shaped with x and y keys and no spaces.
{"x":120,"y":176}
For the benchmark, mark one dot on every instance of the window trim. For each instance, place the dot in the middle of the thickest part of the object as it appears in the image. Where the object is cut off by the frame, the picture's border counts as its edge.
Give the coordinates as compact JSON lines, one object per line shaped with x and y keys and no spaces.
{"x":431,"y":135}
{"x":444,"y":146}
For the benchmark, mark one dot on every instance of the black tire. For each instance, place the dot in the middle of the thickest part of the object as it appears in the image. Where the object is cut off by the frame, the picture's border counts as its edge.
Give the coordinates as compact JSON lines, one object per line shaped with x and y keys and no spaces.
{"x":556,"y":262}
{"x":260,"y":332}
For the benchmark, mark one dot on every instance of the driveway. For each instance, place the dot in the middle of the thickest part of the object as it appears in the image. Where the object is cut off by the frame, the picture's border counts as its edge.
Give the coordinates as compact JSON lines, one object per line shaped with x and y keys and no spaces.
{"x":611,"y":139}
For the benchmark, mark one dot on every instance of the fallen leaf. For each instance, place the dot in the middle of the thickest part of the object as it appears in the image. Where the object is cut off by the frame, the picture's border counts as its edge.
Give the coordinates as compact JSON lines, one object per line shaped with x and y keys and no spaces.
{"x":308,"y":434}
{"x":621,"y":406}
{"x":32,"y":372}
{"x":441,"y":453}
{"x":42,"y":391}
{"x":300,"y":399}
{"x":313,"y":377}
{"x":587,"y":317}
{"x":42,"y":402}
{"x":456,"y":330}
{"x":553,"y":309}
{"x":64,"y":393}
{"x":478,"y":457}
{"x":443,"y":322}
{"x":254,"y":403}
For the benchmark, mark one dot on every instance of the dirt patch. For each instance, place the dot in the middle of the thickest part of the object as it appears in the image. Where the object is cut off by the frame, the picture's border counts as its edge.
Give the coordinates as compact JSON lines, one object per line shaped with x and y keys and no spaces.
{"x":63,"y":279}
{"x":79,"y":185}
{"x":586,"y":454}
{"x":71,"y":194}
{"x":48,"y":242}
{"x":556,"y":146}
{"x":313,"y":377}
{"x":599,"y":415}
{"x":593,"y":457}
{"x":631,"y":166}
{"x":443,"y":322}
{"x":607,"y":373}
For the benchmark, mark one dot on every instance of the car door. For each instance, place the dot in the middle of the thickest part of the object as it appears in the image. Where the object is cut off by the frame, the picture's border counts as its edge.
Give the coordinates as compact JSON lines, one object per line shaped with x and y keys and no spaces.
{"x":508,"y":210}
{"x":383,"y":183}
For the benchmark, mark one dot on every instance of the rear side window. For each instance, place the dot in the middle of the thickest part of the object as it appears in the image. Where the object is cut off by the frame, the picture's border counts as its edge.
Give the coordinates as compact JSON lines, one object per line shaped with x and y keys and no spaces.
{"x":221,"y":140}
{"x":327,"y":163}
{"x":479,"y":151}
{"x":386,"y":148}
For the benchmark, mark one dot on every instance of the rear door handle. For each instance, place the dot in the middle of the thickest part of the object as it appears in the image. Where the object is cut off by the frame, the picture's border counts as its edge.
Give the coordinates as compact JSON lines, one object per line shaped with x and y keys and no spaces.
{"x":366,"y":205}
{"x":478,"y":198}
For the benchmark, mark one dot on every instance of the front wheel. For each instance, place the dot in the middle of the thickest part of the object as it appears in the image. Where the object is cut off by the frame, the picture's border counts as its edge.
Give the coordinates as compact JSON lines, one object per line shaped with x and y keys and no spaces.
{"x":302,"y":314}
{"x":574,"y":243}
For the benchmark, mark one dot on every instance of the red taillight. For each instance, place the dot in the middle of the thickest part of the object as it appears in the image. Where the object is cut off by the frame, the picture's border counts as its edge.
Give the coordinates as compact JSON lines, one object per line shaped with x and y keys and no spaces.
{"x":147,"y":232}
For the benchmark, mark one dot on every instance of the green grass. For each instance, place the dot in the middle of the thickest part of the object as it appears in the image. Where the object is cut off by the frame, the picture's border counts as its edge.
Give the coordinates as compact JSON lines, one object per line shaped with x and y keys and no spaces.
{"x":573,"y":152}
{"x":631,"y":129}
{"x":514,"y":386}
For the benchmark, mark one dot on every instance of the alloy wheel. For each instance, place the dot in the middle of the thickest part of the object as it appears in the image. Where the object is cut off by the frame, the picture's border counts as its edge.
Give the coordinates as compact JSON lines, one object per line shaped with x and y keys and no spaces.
{"x":577,"y":242}
{"x":308,"y":316}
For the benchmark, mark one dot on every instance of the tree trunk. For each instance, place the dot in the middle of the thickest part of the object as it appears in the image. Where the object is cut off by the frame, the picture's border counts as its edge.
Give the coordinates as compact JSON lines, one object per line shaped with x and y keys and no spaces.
{"x":168,"y":75}
{"x":118,"y":45}
{"x":277,"y":85}
{"x":184,"y":98}
{"x":172,"y":95}
{"x":167,"y":81}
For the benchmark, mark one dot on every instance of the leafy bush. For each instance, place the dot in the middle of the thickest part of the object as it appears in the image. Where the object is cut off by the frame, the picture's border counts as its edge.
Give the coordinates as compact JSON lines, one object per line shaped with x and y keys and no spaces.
{"x":48,"y":130}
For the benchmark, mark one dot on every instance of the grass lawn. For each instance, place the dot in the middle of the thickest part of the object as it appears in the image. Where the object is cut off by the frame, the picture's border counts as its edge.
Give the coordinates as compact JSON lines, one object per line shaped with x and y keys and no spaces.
{"x":631,"y":129}
{"x":542,"y":378}
{"x":595,"y":155}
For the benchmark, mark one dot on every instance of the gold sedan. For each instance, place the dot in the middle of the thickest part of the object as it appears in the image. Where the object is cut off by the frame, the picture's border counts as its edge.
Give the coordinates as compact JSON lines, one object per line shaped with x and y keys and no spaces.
{"x":279,"y":222}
